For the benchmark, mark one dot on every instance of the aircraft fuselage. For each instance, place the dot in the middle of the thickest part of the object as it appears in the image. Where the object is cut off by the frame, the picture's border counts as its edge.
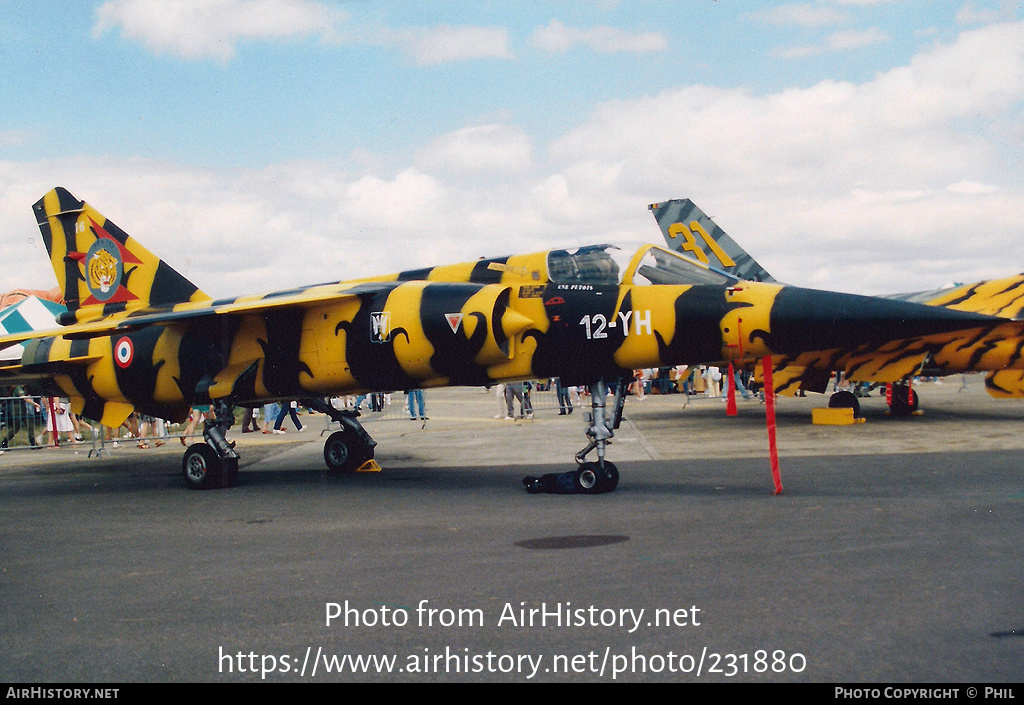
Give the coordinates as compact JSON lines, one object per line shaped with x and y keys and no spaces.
{"x":416,"y":334}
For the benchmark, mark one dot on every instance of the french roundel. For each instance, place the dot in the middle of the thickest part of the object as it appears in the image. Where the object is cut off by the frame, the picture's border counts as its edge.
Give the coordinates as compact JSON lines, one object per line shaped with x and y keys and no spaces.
{"x":124,"y":351}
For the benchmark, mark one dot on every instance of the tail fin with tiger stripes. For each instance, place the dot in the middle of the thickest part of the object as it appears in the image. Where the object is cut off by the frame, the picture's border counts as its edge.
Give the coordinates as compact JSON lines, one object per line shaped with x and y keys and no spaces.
{"x":691,"y":232}
{"x":100,"y":269}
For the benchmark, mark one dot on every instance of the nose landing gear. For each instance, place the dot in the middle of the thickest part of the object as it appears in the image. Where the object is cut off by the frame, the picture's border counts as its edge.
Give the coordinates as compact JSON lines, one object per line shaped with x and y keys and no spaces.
{"x":591,"y":477}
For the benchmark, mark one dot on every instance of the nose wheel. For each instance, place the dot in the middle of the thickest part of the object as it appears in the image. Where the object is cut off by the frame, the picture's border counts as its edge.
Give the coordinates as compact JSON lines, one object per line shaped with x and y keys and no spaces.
{"x":593,"y":478}
{"x":588,"y":478}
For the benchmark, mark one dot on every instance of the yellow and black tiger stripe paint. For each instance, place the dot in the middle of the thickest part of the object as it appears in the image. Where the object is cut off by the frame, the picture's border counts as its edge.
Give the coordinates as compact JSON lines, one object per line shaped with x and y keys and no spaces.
{"x":100,"y":269}
{"x":159,"y":345}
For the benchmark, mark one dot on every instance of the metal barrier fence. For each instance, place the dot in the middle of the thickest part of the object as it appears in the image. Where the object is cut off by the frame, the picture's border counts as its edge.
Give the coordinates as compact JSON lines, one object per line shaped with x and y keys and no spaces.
{"x":39,"y":422}
{"x":29,"y":422}
{"x":538,"y":397}
{"x":379,"y":406}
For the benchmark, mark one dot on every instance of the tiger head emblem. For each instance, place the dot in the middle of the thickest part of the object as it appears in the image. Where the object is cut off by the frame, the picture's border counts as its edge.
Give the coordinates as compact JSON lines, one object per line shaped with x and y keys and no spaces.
{"x":102,"y":271}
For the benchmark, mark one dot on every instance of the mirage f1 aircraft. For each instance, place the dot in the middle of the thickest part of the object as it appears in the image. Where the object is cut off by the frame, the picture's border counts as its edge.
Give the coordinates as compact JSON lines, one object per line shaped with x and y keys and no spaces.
{"x":998,"y":350}
{"x":139,"y":336}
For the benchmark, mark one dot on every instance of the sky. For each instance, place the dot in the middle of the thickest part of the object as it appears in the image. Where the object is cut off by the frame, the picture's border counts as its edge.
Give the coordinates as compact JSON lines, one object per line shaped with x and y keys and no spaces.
{"x":866,"y":146}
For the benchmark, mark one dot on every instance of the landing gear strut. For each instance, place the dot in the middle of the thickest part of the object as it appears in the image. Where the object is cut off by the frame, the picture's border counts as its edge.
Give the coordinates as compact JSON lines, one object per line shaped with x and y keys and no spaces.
{"x":347,"y":449}
{"x":591,"y":477}
{"x":213,"y":464}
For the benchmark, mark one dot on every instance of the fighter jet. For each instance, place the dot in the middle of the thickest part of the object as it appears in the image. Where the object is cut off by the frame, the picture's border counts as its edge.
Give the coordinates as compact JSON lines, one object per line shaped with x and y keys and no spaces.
{"x":138,"y":335}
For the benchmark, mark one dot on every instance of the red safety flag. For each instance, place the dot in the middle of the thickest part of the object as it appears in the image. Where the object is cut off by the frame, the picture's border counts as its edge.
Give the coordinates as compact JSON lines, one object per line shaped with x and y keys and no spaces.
{"x":769,"y":411}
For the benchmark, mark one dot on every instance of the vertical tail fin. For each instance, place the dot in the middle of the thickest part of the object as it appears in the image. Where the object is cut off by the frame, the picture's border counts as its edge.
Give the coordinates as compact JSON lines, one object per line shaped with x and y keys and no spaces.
{"x":689,"y":231}
{"x":99,"y":268}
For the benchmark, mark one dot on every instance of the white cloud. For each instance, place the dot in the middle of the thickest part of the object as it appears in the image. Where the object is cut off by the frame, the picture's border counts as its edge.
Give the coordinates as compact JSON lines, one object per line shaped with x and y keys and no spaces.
{"x":910,"y":112}
{"x":204,"y":29}
{"x":230,"y":231}
{"x":867,"y":168}
{"x":212,"y":29}
{"x":896,"y":183}
{"x":846,"y":40}
{"x":411,"y":200}
{"x":447,"y":43}
{"x":487,"y":148}
{"x":972,"y":188}
{"x":558,"y":38}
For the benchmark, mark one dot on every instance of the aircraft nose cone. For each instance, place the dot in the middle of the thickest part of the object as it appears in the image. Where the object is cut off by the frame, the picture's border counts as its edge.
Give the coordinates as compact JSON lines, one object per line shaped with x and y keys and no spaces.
{"x":806,"y":319}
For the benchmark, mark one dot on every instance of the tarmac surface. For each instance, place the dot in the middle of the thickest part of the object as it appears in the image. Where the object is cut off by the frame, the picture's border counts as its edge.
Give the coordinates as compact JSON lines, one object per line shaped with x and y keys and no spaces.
{"x":893,"y":555}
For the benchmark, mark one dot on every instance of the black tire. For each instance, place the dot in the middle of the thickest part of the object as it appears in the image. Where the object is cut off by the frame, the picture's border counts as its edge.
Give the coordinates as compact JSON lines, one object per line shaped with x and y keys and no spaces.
{"x":904,"y":400}
{"x":845,"y":400}
{"x":202,"y":468}
{"x":345,"y":452}
{"x":611,"y":478}
{"x":228,"y":472}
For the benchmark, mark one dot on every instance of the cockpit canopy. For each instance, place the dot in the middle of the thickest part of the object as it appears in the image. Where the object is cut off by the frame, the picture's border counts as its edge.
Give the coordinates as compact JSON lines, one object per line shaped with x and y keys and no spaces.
{"x":601,"y":265}
{"x":611,"y":265}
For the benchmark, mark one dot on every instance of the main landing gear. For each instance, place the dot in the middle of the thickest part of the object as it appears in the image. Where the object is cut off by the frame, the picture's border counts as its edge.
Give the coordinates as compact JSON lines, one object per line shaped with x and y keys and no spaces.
{"x":591,"y":477}
{"x":899,"y":396}
{"x":345,"y":450}
{"x":902,"y":399}
{"x":214,"y":464}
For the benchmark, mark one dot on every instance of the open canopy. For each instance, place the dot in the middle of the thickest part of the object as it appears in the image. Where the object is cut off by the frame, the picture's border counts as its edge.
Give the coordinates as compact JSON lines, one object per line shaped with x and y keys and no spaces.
{"x":611,"y":265}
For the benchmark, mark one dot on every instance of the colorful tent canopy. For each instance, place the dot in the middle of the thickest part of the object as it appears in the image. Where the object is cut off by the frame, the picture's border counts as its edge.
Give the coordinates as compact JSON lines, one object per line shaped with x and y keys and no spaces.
{"x":31,"y":313}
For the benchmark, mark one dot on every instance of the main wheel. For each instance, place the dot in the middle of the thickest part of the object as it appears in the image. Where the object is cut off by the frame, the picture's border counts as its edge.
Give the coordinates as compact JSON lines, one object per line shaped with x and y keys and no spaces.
{"x":202,"y":468}
{"x":904,"y":400}
{"x":845,"y":400}
{"x":344,"y":451}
